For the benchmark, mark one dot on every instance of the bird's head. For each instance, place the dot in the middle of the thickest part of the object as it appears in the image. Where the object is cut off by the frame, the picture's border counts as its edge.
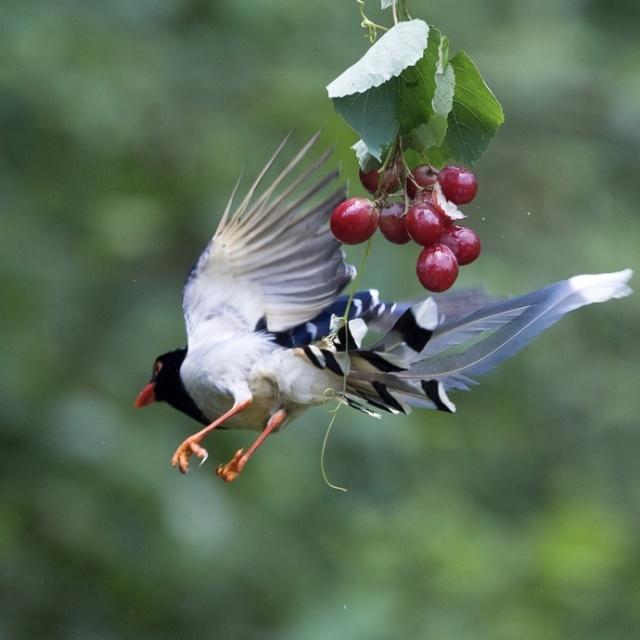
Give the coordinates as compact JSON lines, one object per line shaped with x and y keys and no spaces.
{"x":166,"y":386}
{"x":165,"y":381}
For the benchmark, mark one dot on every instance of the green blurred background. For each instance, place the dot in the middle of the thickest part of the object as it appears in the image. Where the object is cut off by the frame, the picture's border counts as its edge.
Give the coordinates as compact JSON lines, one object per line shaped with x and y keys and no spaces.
{"x":123,"y":127}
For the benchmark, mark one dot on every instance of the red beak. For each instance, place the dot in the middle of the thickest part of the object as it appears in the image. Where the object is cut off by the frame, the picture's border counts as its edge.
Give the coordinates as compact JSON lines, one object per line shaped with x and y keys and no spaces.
{"x":146,"y":396}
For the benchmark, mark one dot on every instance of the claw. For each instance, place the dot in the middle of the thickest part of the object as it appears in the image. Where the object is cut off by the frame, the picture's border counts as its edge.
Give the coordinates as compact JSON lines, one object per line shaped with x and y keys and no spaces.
{"x":188,"y":448}
{"x":230,"y":471}
{"x":204,"y":458}
{"x":192,"y":446}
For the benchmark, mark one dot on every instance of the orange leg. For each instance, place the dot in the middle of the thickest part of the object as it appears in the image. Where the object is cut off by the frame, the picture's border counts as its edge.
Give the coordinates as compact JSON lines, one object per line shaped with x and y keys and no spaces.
{"x":192,"y":444}
{"x":230,"y":471}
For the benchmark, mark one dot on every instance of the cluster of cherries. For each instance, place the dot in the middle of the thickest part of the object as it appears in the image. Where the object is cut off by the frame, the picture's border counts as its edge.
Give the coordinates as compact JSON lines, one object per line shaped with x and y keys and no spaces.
{"x":425,"y":215}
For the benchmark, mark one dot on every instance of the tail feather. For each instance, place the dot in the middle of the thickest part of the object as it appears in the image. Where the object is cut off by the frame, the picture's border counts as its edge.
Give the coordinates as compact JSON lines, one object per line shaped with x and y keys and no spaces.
{"x":426,"y":353}
{"x":538,"y":311}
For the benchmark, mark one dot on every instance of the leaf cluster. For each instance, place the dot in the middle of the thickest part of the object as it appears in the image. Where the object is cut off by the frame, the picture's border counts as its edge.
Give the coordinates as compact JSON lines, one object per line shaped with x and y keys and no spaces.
{"x":406,"y":89}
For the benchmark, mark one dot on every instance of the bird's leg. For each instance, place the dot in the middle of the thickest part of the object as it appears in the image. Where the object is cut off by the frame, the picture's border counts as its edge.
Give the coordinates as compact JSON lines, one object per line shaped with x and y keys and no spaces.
{"x":192,"y":444}
{"x":230,"y":471}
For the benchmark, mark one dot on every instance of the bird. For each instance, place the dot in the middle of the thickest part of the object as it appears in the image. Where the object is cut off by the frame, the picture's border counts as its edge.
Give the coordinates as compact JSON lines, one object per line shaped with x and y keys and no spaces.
{"x":270,"y":332}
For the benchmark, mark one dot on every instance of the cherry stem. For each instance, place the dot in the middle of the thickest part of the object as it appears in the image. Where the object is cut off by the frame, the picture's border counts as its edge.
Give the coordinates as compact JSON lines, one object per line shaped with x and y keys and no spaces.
{"x":406,"y":175}
{"x":390,"y":158}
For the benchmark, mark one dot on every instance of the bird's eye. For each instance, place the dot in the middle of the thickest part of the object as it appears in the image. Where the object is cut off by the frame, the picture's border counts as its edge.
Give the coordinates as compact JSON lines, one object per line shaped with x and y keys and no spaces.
{"x":156,"y":367}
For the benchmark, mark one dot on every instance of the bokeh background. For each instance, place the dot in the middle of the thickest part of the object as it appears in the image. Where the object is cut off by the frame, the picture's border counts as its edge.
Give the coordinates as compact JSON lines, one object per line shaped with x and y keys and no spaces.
{"x":123,"y":126}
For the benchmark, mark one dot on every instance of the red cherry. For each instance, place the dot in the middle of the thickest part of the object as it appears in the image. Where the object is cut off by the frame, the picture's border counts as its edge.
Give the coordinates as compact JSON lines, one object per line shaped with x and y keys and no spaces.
{"x":464,"y":242}
{"x":459,"y":184}
{"x":354,"y":220}
{"x":437,"y":268}
{"x":392,"y":223}
{"x":424,"y":224}
{"x":421,"y":177}
{"x":375,"y":182}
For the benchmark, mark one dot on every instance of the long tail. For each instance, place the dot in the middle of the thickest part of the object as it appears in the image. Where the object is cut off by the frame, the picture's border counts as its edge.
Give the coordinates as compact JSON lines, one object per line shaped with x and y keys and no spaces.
{"x":426,"y":354}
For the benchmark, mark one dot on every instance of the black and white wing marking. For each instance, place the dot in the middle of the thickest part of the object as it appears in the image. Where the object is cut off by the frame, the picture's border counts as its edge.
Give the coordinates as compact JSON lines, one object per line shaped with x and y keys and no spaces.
{"x":364,"y":304}
{"x":274,"y":256}
{"x":380,"y":315}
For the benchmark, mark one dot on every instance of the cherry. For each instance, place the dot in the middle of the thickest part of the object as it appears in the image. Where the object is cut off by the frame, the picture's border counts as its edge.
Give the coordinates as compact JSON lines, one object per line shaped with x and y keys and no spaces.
{"x":421,"y":177}
{"x":354,"y":220}
{"x":437,"y":268}
{"x":424,"y":224}
{"x":459,"y":184}
{"x":464,"y":242}
{"x":375,"y":182}
{"x":393,"y":223}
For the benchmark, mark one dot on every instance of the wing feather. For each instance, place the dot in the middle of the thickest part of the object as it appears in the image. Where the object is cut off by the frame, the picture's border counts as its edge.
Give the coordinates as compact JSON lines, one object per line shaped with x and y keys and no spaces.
{"x":273,"y":256}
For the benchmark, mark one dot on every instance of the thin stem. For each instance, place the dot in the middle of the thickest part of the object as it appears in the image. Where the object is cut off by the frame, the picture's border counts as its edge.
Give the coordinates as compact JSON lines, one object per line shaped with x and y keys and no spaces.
{"x":324,"y":448}
{"x":406,"y":173}
{"x":345,"y":319}
{"x":389,"y":159}
{"x":402,"y":5}
{"x":391,"y":155}
{"x":394,"y":10}
{"x":407,"y":170}
{"x":354,"y":286}
{"x":367,"y":24}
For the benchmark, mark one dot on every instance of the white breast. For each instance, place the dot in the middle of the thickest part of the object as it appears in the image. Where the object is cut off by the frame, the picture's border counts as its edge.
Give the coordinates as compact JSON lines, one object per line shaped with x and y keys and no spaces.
{"x":217,"y":372}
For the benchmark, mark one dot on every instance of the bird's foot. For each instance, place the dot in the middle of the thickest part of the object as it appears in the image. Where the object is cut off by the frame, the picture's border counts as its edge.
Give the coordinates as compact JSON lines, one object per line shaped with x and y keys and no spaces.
{"x":191,"y":446}
{"x":230,"y":471}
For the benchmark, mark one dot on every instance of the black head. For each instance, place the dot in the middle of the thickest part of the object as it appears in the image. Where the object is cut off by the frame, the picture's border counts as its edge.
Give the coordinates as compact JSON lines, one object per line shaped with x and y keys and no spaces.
{"x":166,"y":386}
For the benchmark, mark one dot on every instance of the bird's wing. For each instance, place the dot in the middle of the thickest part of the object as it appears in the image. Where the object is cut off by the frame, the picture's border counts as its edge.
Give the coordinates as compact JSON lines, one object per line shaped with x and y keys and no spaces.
{"x":273,"y":258}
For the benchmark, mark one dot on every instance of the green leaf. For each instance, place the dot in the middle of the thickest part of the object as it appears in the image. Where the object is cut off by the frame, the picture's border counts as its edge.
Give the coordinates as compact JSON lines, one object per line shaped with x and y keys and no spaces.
{"x":427,"y":106}
{"x":366,"y":94}
{"x":442,"y":102}
{"x":474,"y":118}
{"x":417,"y":85}
{"x":404,"y":84}
{"x":400,"y":47}
{"x":373,"y":114}
{"x":431,"y":135}
{"x":366,"y":161}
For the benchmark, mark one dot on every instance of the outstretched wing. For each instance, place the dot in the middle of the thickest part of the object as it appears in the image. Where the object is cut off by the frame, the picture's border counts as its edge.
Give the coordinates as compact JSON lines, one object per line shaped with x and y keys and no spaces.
{"x":273,"y":258}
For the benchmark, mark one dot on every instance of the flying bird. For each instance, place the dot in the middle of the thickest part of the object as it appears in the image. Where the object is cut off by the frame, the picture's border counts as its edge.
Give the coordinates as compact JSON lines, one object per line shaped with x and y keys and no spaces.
{"x":266,"y":330}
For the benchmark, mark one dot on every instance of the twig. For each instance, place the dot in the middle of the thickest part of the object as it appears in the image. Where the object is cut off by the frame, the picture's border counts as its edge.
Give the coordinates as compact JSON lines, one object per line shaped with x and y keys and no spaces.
{"x":345,"y":320}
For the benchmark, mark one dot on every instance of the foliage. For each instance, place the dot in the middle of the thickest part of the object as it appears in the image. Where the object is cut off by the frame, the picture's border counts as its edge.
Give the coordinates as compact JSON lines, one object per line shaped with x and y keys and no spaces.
{"x":405,"y":89}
